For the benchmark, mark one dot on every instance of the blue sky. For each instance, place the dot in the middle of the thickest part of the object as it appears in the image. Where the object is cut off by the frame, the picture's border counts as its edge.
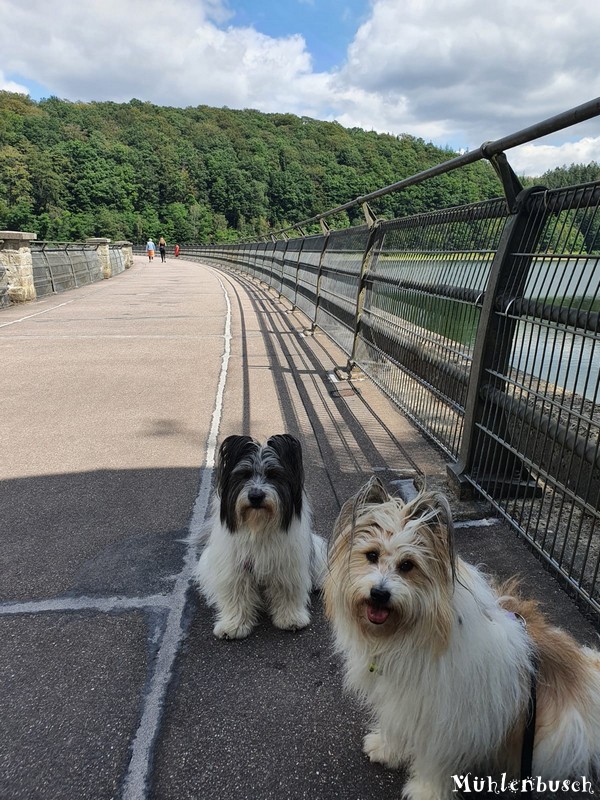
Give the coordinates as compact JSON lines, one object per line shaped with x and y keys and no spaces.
{"x":328,"y":26}
{"x":455,"y":74}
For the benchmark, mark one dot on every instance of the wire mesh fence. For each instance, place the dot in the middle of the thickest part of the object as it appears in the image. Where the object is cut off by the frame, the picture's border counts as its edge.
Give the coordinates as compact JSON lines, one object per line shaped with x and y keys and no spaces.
{"x":4,"y":298}
{"x":117,"y":259}
{"x":61,"y":266}
{"x":423,"y":297}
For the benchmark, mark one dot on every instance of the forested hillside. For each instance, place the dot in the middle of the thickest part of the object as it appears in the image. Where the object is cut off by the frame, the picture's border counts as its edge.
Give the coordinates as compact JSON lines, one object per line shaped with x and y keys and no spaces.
{"x":73,"y":170}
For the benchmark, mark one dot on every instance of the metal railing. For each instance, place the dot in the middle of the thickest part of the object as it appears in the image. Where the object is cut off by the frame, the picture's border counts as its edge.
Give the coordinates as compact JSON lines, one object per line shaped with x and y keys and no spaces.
{"x":59,"y":266}
{"x":481,"y":323}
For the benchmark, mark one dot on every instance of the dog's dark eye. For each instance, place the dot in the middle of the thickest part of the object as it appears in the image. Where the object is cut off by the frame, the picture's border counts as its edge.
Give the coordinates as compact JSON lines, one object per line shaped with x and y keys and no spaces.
{"x":372,"y":556}
{"x":405,"y":566}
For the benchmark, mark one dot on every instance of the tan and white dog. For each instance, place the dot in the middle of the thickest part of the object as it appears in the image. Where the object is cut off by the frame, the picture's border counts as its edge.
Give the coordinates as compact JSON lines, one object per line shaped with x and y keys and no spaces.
{"x":444,"y":661}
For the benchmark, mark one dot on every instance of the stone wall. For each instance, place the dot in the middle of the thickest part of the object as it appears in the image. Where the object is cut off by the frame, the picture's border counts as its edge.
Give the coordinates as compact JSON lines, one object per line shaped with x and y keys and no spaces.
{"x":16,"y":264}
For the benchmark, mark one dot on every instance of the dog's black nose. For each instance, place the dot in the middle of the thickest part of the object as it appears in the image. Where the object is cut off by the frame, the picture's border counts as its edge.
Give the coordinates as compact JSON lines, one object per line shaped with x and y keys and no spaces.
{"x":256,"y":496}
{"x":380,"y":596}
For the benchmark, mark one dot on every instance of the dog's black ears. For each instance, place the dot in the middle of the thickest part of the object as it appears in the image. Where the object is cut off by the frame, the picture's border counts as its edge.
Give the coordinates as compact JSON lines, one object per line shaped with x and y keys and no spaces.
{"x":233,"y":449}
{"x":289,"y":452}
{"x":283,"y":442}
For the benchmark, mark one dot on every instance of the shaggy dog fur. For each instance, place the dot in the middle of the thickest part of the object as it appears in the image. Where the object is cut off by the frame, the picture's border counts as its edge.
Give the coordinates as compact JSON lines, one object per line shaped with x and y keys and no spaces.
{"x":443,"y":659}
{"x":262,"y":552}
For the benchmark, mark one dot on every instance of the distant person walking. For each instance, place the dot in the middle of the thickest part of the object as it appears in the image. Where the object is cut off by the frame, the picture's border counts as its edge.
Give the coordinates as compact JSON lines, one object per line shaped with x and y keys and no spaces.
{"x":150,"y":248}
{"x":162,"y":246}
{"x":176,"y":250}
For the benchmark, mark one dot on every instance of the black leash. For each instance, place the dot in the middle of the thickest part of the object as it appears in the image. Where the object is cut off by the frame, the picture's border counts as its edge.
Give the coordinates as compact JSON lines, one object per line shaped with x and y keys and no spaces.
{"x":529,"y":734}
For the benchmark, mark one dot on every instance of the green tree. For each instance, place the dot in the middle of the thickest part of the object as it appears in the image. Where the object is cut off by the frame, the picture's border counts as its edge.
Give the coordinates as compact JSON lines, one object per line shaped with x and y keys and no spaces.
{"x":206,"y":174}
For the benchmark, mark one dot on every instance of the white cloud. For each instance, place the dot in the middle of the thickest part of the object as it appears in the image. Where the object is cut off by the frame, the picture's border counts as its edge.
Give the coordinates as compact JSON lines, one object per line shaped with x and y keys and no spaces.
{"x":530,"y":159}
{"x":11,"y":86}
{"x":174,"y":53}
{"x":457,"y":74}
{"x":478,"y":71}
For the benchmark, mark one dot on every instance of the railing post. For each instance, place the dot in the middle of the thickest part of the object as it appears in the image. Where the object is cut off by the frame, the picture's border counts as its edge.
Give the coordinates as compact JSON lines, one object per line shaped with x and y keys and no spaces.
{"x":68,"y":254}
{"x":326,"y":231}
{"x":286,"y":239}
{"x":272,"y":261}
{"x":365,"y":266}
{"x":492,"y":351}
{"x":510,"y":182}
{"x":303,"y":235}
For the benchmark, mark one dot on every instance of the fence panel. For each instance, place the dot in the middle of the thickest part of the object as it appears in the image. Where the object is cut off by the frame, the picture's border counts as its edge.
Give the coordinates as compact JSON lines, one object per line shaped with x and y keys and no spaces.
{"x":117,"y":262}
{"x":4,"y":298}
{"x":421,"y":311}
{"x":42,"y":276}
{"x":263,"y":262}
{"x":537,"y":441}
{"x":340,"y":281}
{"x":308,"y":274}
{"x":278,"y":259}
{"x":58,"y":267}
{"x":85,"y":263}
{"x":290,"y":269}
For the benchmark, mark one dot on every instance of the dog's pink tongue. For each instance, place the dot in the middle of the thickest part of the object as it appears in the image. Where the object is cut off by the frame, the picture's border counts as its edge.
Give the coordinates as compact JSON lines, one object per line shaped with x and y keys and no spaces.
{"x":377,"y":615}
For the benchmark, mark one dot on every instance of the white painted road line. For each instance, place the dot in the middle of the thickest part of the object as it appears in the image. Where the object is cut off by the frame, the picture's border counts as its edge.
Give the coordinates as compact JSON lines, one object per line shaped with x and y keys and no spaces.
{"x":83,"y":603}
{"x":37,"y":314}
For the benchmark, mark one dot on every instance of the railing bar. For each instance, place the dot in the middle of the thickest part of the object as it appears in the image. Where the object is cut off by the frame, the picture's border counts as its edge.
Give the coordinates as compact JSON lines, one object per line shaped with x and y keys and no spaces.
{"x":403,"y":327}
{"x":559,"y":432}
{"x":421,"y":381}
{"x":542,"y":554}
{"x":554,"y":482}
{"x":556,"y":404}
{"x":415,"y":419}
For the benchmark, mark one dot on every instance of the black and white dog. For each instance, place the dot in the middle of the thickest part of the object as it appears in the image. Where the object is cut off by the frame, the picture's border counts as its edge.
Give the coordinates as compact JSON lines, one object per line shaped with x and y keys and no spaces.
{"x":261,"y":551}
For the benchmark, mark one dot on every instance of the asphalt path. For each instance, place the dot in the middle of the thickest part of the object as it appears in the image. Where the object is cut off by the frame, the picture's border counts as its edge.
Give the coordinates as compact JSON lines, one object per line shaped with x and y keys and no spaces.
{"x":114,"y":398}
